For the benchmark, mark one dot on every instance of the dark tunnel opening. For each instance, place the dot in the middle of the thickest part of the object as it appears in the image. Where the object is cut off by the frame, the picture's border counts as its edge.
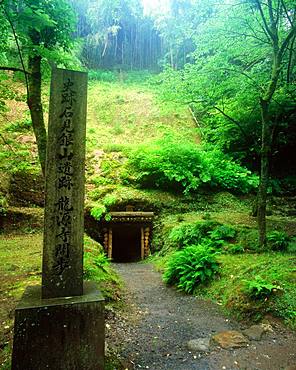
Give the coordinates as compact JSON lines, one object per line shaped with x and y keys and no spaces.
{"x":126,"y":242}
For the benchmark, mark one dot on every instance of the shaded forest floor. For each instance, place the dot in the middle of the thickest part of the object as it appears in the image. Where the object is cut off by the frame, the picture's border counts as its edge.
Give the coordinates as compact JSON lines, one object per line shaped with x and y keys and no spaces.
{"x":158,"y":321}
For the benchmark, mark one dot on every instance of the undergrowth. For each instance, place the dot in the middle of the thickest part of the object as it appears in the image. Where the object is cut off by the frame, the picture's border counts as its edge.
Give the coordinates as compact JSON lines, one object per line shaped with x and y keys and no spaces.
{"x":97,"y":268}
{"x":190,"y":267}
{"x":184,"y":166}
{"x":249,"y":282}
{"x":252,"y":285}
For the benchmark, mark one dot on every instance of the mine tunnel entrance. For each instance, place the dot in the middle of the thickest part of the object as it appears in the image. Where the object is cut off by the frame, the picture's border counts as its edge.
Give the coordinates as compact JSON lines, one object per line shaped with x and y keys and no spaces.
{"x":127,"y":236}
{"x":126,"y":243}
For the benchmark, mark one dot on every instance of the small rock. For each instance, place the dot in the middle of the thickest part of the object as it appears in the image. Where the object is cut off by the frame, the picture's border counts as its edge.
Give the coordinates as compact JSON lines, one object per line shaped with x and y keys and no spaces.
{"x":199,"y":345}
{"x":230,"y":339}
{"x":255,"y":332}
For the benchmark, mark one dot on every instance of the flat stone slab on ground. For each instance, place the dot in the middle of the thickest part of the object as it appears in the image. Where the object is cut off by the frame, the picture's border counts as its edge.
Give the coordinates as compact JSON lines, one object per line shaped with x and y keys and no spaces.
{"x":230,"y":339}
{"x":255,"y":332}
{"x":199,"y":345}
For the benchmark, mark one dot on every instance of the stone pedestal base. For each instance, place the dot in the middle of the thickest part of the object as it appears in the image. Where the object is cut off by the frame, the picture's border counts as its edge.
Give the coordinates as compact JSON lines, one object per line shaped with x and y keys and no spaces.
{"x":60,"y":334}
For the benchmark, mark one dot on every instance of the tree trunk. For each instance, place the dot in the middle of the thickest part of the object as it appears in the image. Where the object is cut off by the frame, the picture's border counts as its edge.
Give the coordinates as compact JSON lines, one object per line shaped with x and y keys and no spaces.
{"x":262,"y":192}
{"x":36,"y":110}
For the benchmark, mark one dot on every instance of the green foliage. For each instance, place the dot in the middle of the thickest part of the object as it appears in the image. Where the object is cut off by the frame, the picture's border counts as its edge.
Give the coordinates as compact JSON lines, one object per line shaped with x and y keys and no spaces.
{"x":19,"y":126}
{"x":168,"y":164}
{"x":229,"y":70}
{"x":102,"y":75}
{"x":6,"y":88}
{"x":209,"y":233}
{"x":42,"y":28}
{"x":102,"y":208}
{"x":109,"y":200}
{"x":271,"y":269}
{"x":223,"y":232}
{"x":97,"y":268}
{"x":235,"y":249}
{"x":98,"y":211}
{"x":16,"y":159}
{"x":259,"y":288}
{"x":248,"y":239}
{"x":99,"y":180}
{"x":278,"y":240}
{"x":191,"y":234}
{"x":190,"y":267}
{"x":286,"y":306}
{"x":292,"y":245}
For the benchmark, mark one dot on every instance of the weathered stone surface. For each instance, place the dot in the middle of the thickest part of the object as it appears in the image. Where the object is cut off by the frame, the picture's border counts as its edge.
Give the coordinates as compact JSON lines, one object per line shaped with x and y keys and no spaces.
{"x":199,"y":345}
{"x":230,"y":339}
{"x":255,"y":332}
{"x":61,"y":333}
{"x":63,"y":233}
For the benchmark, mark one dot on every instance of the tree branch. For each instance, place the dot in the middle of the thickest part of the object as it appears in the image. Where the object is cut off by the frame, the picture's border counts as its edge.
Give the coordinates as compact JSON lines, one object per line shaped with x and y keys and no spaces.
{"x":254,"y":82}
{"x":286,"y":12}
{"x":289,"y":67}
{"x":271,"y":15}
{"x":268,"y":30}
{"x":14,"y":69}
{"x":18,"y":48}
{"x":232,"y":120}
{"x":248,"y":35}
{"x":287,"y":40}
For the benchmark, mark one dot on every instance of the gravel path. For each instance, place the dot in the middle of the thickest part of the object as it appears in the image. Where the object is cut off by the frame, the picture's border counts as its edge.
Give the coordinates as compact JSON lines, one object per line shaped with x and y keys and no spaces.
{"x":159,"y":321}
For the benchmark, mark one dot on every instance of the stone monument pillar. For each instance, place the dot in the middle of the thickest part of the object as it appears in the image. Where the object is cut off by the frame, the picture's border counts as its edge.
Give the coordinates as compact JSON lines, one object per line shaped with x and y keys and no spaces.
{"x":60,"y":326}
{"x":64,"y":190}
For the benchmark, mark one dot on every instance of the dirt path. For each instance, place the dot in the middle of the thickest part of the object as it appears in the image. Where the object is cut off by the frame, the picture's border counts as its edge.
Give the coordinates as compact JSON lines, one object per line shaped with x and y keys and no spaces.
{"x":161,"y":321}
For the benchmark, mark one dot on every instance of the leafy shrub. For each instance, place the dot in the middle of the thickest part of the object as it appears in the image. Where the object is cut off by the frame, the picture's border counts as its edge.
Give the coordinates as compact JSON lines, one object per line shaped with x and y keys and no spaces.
{"x":209,"y":233}
{"x":173,"y":165}
{"x":223,"y":232}
{"x":102,"y":75}
{"x":278,"y":240}
{"x":235,"y":249}
{"x":227,"y":174}
{"x":190,"y":267}
{"x":248,"y":239}
{"x":259,"y":288}
{"x":189,"y":234}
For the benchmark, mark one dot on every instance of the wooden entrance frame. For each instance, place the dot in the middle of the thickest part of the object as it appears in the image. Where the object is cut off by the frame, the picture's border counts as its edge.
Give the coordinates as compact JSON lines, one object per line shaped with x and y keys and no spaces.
{"x":144,"y":219}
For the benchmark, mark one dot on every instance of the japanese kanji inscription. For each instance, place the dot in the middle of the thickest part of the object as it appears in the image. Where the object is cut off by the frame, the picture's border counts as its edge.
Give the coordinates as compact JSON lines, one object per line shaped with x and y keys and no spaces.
{"x":62,"y":273}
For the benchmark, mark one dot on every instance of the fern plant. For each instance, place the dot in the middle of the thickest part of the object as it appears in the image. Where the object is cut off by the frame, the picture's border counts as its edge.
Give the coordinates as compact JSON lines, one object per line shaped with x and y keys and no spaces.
{"x":223,"y":232}
{"x":278,"y":240}
{"x":194,"y":265}
{"x":191,"y":234}
{"x":259,"y":288}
